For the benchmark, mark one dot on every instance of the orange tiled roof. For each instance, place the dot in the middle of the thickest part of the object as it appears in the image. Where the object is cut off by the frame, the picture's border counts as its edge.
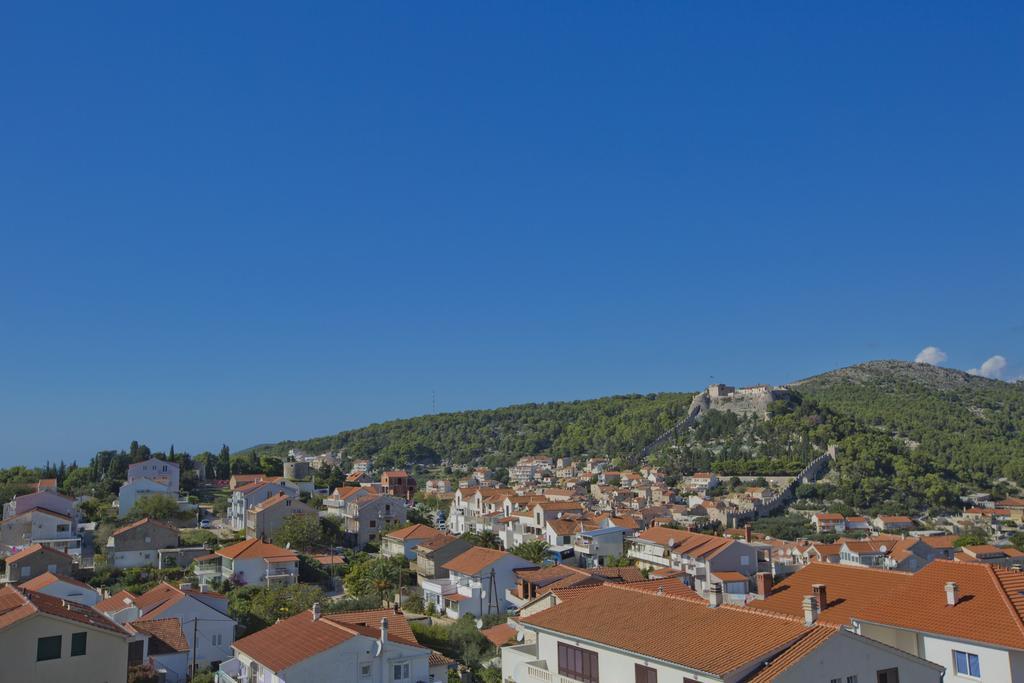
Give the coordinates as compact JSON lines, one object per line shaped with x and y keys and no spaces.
{"x":499,"y":635}
{"x":254,"y":548}
{"x":49,"y":578}
{"x":116,"y":602}
{"x":989,"y":609}
{"x":142,"y":522}
{"x":849,"y":591}
{"x":414,"y":531}
{"x":475,"y":560}
{"x":35,"y":548}
{"x":683,"y":631}
{"x":165,"y":635}
{"x":17,"y":604}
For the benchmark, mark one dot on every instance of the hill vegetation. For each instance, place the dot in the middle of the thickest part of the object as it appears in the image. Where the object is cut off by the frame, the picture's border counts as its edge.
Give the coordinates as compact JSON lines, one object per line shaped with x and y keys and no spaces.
{"x":615,"y":425}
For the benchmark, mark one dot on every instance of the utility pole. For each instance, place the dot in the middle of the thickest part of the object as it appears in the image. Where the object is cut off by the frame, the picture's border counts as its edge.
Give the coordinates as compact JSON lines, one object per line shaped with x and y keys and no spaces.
{"x":195,"y":643}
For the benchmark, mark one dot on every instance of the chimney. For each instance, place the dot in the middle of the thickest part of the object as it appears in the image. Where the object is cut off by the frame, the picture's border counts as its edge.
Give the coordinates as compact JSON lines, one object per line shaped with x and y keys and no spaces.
{"x":383,"y":632}
{"x":810,"y":610}
{"x":952,"y":593}
{"x":820,"y":595}
{"x":316,"y":611}
{"x":764,"y":584}
{"x":715,"y":596}
{"x":746,"y":533}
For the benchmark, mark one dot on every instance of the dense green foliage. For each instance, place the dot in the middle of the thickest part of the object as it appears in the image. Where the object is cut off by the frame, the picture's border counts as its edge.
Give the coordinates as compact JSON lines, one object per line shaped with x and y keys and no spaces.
{"x":461,"y":640}
{"x":256,"y":607}
{"x":613,"y":425}
{"x":924,"y":435}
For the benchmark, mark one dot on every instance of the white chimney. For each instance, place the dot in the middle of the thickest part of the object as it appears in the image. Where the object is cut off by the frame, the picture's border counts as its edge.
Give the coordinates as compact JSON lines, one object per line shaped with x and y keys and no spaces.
{"x":810,"y":610}
{"x":316,"y":611}
{"x":383,"y":632}
{"x":952,"y":593}
{"x":715,"y":597}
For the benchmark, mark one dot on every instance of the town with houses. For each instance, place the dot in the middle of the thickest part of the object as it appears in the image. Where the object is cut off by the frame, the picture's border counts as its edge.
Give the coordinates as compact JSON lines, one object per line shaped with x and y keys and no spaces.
{"x":626,"y":579}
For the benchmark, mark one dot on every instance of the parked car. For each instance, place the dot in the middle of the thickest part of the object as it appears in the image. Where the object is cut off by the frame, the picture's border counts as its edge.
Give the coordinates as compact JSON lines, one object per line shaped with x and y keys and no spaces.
{"x":206,"y":524}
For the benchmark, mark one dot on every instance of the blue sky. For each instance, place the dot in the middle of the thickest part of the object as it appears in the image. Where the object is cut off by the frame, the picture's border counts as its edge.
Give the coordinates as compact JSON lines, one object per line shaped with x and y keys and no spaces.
{"x":238,"y":223}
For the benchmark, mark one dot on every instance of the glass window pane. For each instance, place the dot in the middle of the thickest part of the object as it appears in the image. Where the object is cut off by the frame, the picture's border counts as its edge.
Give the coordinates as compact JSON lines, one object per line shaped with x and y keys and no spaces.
{"x":961,"y":661}
{"x":78,"y":643}
{"x":48,"y":648}
{"x":974,"y":665}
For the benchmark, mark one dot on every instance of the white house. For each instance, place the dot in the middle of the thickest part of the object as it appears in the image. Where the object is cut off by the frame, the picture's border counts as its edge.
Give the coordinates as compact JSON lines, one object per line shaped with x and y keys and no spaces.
{"x":249,"y":562}
{"x":202,"y":615}
{"x":134,"y":489}
{"x":618,"y":633}
{"x":159,"y":471}
{"x":250,"y":495}
{"x":63,"y":587}
{"x":375,"y":646}
{"x":476,"y":583}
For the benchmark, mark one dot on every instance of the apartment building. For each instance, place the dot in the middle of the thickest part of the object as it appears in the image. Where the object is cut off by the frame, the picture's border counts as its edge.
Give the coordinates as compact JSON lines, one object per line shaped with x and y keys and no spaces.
{"x":138,"y":544}
{"x":249,"y":562}
{"x":264,"y":519}
{"x":476,"y":584}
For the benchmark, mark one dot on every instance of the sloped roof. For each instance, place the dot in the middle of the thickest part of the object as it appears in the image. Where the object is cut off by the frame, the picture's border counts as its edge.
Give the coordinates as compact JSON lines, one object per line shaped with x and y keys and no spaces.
{"x":793,"y":654}
{"x":49,"y":578}
{"x":500,"y":635}
{"x":849,"y":591}
{"x":298,"y":638}
{"x":255,"y":548}
{"x":413,"y":532}
{"x":476,"y":559}
{"x":989,"y":608}
{"x":142,"y":522}
{"x":17,"y":604}
{"x":116,"y":602}
{"x":36,"y":548}
{"x":165,"y":635}
{"x":678,"y":630}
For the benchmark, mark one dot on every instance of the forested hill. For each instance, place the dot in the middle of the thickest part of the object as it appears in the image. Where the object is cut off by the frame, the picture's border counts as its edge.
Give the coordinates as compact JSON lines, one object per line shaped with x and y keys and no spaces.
{"x":611,"y":425}
{"x":971,"y":425}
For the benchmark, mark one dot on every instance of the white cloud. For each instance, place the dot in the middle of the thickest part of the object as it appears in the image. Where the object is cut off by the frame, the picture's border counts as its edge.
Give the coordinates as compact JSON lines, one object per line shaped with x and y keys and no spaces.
{"x":932,"y":355}
{"x":992,"y":368}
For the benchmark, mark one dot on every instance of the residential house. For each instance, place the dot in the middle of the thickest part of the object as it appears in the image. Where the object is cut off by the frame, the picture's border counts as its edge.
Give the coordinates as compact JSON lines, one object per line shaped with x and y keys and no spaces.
{"x":264,"y":519}
{"x":402,"y":542}
{"x":138,"y":544}
{"x":63,"y":587}
{"x":134,"y":489}
{"x":153,"y":477}
{"x":964,"y":616}
{"x":364,"y":517}
{"x":156,"y":470}
{"x":990,"y":554}
{"x":621,"y":633}
{"x":594,"y":547}
{"x":250,"y":495}
{"x":703,"y":481}
{"x":249,"y":562}
{"x":335,"y":504}
{"x":893,"y":523}
{"x":164,"y":646}
{"x":43,"y":526}
{"x":828,"y":522}
{"x":476,"y":583}
{"x":203,"y":616}
{"x":36,"y":560}
{"x":48,"y":500}
{"x":375,"y":646}
{"x":46,"y":638}
{"x":397,"y":483}
{"x":868,"y":552}
{"x":432,"y":554}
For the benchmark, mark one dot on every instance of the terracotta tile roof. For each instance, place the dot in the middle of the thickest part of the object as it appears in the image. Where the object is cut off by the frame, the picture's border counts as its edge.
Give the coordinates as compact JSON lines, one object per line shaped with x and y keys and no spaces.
{"x":624,"y":574}
{"x":672,"y":585}
{"x":793,"y":654}
{"x":563,"y":527}
{"x":500,"y":635}
{"x":35,"y":548}
{"x":476,"y":559}
{"x":943,"y":541}
{"x":142,"y":522}
{"x":849,"y":590}
{"x":115,"y":602}
{"x":988,"y":610}
{"x":40,"y":509}
{"x":731,"y":577}
{"x":17,"y":604}
{"x":395,"y":473}
{"x":329,"y":559}
{"x":49,"y":578}
{"x":1011,"y":503}
{"x":439,"y":541}
{"x":165,"y":635}
{"x":413,"y":532}
{"x":298,"y":638}
{"x":253,"y":548}
{"x":672,"y":629}
{"x":438,"y":659}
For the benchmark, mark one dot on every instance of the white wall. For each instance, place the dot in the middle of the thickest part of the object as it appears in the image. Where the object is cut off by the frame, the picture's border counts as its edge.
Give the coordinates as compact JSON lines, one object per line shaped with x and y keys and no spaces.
{"x":211,"y":623}
{"x":849,"y":655}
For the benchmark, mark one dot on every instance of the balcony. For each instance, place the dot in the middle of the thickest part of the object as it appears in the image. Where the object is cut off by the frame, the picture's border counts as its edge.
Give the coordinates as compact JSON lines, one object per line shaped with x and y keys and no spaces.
{"x":232,"y":671}
{"x":285,"y":575}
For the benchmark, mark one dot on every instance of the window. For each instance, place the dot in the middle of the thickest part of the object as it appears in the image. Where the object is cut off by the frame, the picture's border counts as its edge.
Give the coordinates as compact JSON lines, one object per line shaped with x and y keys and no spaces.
{"x":365,"y":670}
{"x":78,"y":643}
{"x":888,"y":676}
{"x":851,"y":679}
{"x":744,"y":560}
{"x":373,"y":523}
{"x":401,"y":672}
{"x":645,"y":674}
{"x":135,"y":652}
{"x":967,"y":664}
{"x":48,"y":648}
{"x":216,"y":639}
{"x":577,"y":663}
{"x":25,"y":571}
{"x":835,"y":680}
{"x":52,"y":568}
